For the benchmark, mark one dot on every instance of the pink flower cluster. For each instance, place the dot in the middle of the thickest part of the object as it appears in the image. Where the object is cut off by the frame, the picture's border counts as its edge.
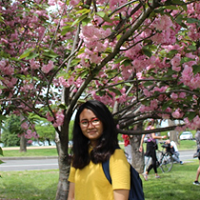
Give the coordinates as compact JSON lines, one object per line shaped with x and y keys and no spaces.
{"x":59,"y":118}
{"x":47,"y":68}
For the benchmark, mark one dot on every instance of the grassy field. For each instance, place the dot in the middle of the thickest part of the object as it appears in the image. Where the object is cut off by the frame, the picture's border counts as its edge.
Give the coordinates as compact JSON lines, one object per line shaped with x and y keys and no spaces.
{"x":31,"y":152}
{"x":41,"y":185}
{"x":29,"y":185}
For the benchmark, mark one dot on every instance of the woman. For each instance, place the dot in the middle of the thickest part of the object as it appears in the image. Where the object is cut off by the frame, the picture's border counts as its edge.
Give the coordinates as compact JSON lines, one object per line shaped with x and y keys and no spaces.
{"x":151,"y":150}
{"x":197,"y":137}
{"x":94,"y":142}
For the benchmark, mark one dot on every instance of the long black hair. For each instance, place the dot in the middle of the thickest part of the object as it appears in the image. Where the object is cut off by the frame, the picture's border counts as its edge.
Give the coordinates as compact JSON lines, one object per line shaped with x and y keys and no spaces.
{"x":106,"y":143}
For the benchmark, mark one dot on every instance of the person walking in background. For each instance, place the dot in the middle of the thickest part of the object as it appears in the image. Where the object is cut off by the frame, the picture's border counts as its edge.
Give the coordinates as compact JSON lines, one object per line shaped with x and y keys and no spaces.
{"x":172,"y":148}
{"x":94,"y":142}
{"x":151,"y":150}
{"x":197,"y":137}
{"x":127,"y":147}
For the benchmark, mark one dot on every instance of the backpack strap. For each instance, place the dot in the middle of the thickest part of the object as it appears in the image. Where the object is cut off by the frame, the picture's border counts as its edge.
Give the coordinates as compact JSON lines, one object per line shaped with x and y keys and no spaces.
{"x":106,"y":170}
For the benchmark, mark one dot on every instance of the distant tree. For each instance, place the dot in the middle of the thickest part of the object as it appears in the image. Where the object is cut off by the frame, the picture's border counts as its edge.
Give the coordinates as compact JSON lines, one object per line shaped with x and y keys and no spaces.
{"x":11,"y":131}
{"x":45,"y":130}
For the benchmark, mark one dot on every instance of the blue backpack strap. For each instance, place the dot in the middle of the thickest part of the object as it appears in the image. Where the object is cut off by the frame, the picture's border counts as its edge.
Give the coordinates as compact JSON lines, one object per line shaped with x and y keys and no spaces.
{"x":106,"y":170}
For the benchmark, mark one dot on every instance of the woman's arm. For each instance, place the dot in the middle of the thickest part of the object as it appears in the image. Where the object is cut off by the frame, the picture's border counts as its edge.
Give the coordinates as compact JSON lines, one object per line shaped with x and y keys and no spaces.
{"x":121,"y":194}
{"x":141,"y":143}
{"x":71,"y":191}
{"x":154,"y":136}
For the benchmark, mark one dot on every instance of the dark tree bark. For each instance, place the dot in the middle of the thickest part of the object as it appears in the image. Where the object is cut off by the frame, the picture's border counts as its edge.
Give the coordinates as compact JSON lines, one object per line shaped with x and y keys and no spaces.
{"x":137,"y":157}
{"x":23,"y":145}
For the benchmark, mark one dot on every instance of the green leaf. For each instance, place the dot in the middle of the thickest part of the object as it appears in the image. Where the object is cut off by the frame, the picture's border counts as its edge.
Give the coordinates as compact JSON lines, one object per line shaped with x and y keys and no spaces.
{"x":79,"y":20}
{"x":86,"y":21}
{"x":148,"y":83}
{"x":62,"y":106}
{"x":108,"y":50}
{"x":192,"y":47}
{"x":101,"y":14}
{"x":50,"y":53}
{"x":190,"y":115}
{"x":26,"y":53}
{"x":196,"y":69}
{"x":193,"y":20}
{"x":118,"y":60}
{"x":32,"y":55}
{"x":147,"y":52}
{"x":83,"y":11}
{"x":186,"y":59}
{"x":66,"y":29}
{"x":117,"y":92}
{"x":145,"y":102}
{"x":166,"y":105}
{"x":2,"y":117}
{"x":171,"y":53}
{"x":126,"y":63}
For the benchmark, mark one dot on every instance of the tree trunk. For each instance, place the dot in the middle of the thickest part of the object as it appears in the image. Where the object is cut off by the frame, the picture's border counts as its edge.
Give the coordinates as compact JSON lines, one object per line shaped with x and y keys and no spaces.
{"x":137,"y":157}
{"x":63,"y":162}
{"x":23,"y":142}
{"x":63,"y":184}
{"x":173,"y":133}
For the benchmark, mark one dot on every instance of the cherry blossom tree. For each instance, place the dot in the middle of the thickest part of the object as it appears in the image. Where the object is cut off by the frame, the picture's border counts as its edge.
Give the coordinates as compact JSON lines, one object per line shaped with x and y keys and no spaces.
{"x":141,"y":58}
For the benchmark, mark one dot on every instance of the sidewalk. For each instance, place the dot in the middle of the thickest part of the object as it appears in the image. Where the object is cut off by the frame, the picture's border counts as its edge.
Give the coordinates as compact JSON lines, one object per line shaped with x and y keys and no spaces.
{"x":29,"y":147}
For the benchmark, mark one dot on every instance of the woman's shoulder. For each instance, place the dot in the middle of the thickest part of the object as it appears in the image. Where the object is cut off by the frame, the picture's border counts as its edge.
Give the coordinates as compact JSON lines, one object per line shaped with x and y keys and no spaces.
{"x":118,"y":154}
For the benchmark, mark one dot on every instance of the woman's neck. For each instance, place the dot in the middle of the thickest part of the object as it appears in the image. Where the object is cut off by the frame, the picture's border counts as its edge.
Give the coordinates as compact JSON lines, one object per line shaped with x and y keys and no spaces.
{"x":93,"y":143}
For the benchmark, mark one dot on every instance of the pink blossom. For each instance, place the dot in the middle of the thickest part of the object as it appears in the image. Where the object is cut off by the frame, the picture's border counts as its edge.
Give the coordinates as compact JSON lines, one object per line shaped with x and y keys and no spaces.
{"x":34,"y":64}
{"x":63,"y":82}
{"x":49,"y":117}
{"x":182,"y":95}
{"x":47,"y":68}
{"x":24,"y":125}
{"x":175,"y":61}
{"x":59,"y":119}
{"x":177,"y":113}
{"x":74,"y":2}
{"x":154,"y":104}
{"x":174,"y":96}
{"x":147,"y":93}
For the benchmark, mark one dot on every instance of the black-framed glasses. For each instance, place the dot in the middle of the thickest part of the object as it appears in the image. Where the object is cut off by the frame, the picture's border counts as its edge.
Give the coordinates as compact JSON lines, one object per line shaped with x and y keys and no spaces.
{"x":85,"y":123}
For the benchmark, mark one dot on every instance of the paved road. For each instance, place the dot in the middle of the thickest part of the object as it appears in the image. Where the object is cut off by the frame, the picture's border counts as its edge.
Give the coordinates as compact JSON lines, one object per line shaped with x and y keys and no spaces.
{"x":27,"y":164}
{"x":52,"y":163}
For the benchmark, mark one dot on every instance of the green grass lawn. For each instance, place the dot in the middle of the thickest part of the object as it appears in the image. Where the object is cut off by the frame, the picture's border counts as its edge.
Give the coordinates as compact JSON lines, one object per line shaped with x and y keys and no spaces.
{"x":174,"y":185}
{"x":29,"y":185}
{"x":42,"y":185}
{"x":31,"y":152}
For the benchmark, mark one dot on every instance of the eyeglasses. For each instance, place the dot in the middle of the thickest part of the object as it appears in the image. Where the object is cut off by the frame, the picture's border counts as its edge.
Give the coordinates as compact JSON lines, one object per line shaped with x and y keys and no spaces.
{"x":94,"y":122}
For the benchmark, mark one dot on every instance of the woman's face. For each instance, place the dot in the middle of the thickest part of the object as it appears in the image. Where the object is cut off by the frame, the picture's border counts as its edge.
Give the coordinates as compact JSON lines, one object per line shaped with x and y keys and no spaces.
{"x":91,"y":126}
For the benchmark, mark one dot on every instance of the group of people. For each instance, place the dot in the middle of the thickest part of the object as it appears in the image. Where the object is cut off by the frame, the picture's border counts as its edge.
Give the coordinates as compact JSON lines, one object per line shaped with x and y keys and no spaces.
{"x":94,"y":142}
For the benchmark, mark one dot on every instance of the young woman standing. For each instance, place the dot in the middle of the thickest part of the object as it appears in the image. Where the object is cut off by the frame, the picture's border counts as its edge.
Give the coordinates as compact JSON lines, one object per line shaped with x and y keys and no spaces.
{"x":94,"y":142}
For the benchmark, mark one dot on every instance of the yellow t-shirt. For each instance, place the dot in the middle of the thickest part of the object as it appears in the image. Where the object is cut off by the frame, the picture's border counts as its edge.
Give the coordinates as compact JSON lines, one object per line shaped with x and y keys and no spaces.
{"x":92,"y":184}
